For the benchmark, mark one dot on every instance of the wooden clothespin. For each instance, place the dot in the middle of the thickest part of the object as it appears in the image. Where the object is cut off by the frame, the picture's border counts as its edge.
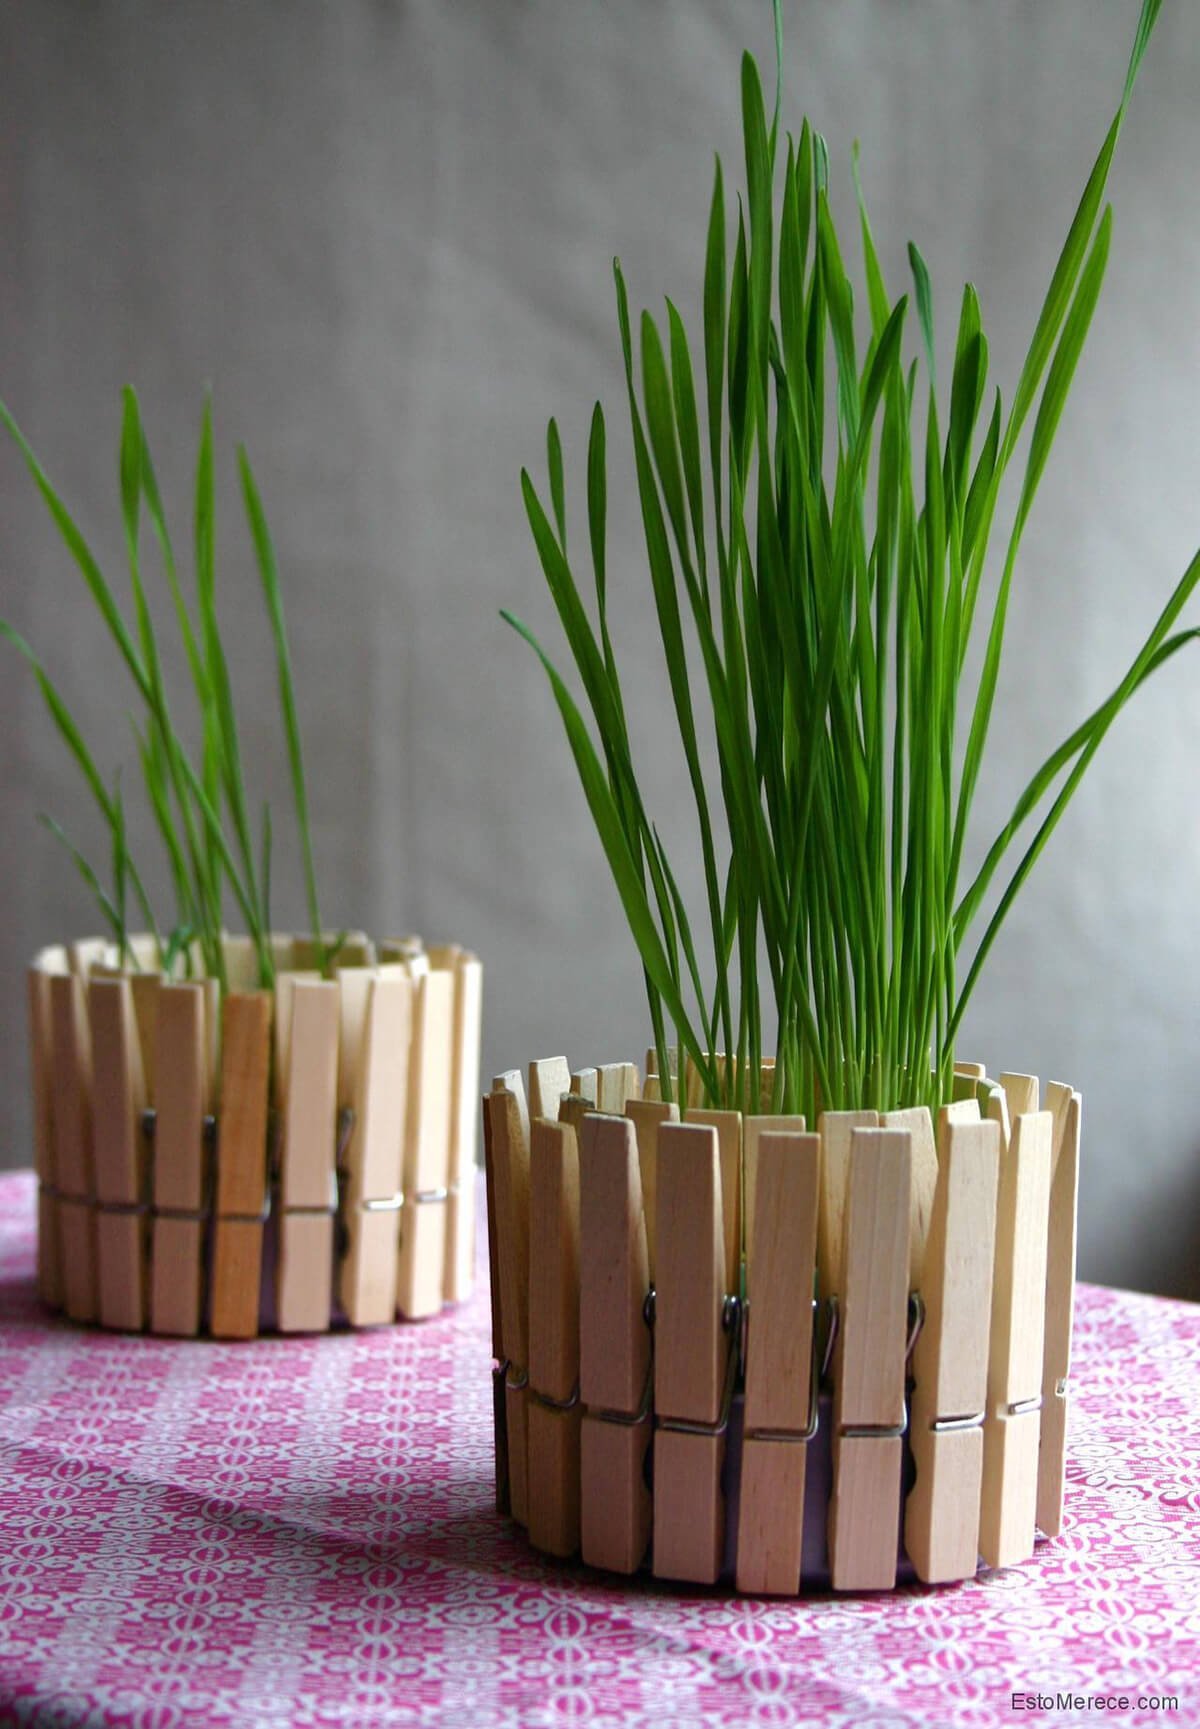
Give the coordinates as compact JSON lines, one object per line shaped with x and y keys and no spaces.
{"x":373,"y":1085}
{"x":966,"y":1080}
{"x":781,"y":1371}
{"x":554,"y":1400}
{"x":422,"y":1279}
{"x":1012,"y":1426}
{"x":695,"y":1355}
{"x":308,"y":1021}
{"x":919,"y":1123}
{"x":993,"y":1102}
{"x":71,"y":1068}
{"x":615,"y":1379}
{"x":509,"y":1149}
{"x":499,"y":1416}
{"x":119,"y":1146}
{"x":460,"y":1208}
{"x":753,"y":1129}
{"x":1065,"y":1106}
{"x":647,"y":1117}
{"x":1021,"y":1094}
{"x":585,"y":1085}
{"x":41,"y":1075}
{"x":549,"y":1084}
{"x":728,"y":1125}
{"x":182,"y":1090}
{"x":242,"y":1132}
{"x":941,"y":1520}
{"x":836,"y":1129}
{"x":651,"y":1086}
{"x":869,"y":1375}
{"x":616,"y":1084}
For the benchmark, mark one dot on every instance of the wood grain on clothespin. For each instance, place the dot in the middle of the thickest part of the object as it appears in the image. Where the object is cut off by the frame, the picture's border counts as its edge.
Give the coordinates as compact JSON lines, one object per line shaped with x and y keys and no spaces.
{"x":1065,"y":1106}
{"x":460,"y":1209}
{"x":585,"y":1084}
{"x":616,"y":1084}
{"x":181,"y":1103}
{"x":1012,"y":1425}
{"x":836,"y":1129}
{"x":549,"y":1084}
{"x":647,"y":1117}
{"x":941,"y":1522}
{"x":868,"y":1410}
{"x":553,"y":1403}
{"x":728,"y":1125}
{"x":753,"y":1129}
{"x":780,"y":1402}
{"x":924,"y":1181}
{"x":692,"y":1352}
{"x":71,"y":1067}
{"x":422,"y":1275}
{"x":510,"y":1164}
{"x":241,"y":1164}
{"x":119,"y":1150}
{"x":310,"y":1010}
{"x":614,"y":1347}
{"x":41,"y":1076}
{"x":376,"y":1030}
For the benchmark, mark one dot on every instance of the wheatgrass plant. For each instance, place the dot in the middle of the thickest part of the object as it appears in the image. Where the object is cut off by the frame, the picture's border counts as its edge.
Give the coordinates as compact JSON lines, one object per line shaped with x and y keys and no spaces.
{"x":200,"y":809}
{"x":828,"y":553}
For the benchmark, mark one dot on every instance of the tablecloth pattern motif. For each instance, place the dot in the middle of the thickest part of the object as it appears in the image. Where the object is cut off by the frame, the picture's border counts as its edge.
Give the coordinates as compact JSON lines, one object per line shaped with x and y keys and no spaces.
{"x":301,"y":1532}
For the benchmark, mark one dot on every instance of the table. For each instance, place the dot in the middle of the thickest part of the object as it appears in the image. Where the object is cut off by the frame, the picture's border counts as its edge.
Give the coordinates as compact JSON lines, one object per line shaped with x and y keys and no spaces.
{"x":301,"y":1532}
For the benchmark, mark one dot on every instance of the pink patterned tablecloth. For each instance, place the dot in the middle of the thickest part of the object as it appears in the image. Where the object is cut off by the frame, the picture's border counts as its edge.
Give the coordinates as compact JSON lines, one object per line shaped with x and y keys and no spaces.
{"x":301,"y":1532}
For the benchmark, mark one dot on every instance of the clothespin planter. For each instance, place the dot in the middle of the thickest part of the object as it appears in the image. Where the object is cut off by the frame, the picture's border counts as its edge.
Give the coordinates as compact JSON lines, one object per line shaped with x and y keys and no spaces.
{"x":292,"y":1159}
{"x":862,"y":1382}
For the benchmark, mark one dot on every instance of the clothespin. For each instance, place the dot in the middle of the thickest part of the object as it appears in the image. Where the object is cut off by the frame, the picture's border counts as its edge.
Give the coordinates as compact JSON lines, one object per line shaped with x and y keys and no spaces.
{"x":71,"y":1067}
{"x":966,"y":1080}
{"x":241,"y":1206}
{"x":549,"y":1082}
{"x":183,"y":1088}
{"x":585,"y":1085}
{"x":1012,"y":1426}
{"x":753,"y":1129}
{"x":376,"y":1014}
{"x":728,"y":1125}
{"x":422,"y":1279}
{"x":1020,"y":1093}
{"x":308,"y":1024}
{"x":651,"y":1086}
{"x":499,"y":1415}
{"x":1065,"y":1106}
{"x":553,"y":1398}
{"x":647,"y":1117}
{"x":919,"y":1123}
{"x":41,"y":1075}
{"x":868,"y":1409}
{"x":695,"y":1355}
{"x":460,"y":1208}
{"x":949,"y":1363}
{"x":993,"y":1102}
{"x":836,"y":1129}
{"x":119,"y":1149}
{"x":615,"y":1362}
{"x":509,"y":1130}
{"x":616,"y":1084}
{"x":781,"y":1371}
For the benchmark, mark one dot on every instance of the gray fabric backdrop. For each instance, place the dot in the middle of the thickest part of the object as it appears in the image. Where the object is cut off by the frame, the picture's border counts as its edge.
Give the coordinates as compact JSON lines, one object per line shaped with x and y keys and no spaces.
{"x":383,"y":232}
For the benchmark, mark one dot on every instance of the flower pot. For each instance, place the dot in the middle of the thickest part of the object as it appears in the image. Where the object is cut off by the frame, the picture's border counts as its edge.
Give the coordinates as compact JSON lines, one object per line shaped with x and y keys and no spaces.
{"x":742,"y":1351}
{"x":288,"y":1158}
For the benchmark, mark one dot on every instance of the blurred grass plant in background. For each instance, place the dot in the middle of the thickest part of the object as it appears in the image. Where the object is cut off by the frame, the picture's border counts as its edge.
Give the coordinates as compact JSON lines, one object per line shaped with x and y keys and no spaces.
{"x":200,"y":808}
